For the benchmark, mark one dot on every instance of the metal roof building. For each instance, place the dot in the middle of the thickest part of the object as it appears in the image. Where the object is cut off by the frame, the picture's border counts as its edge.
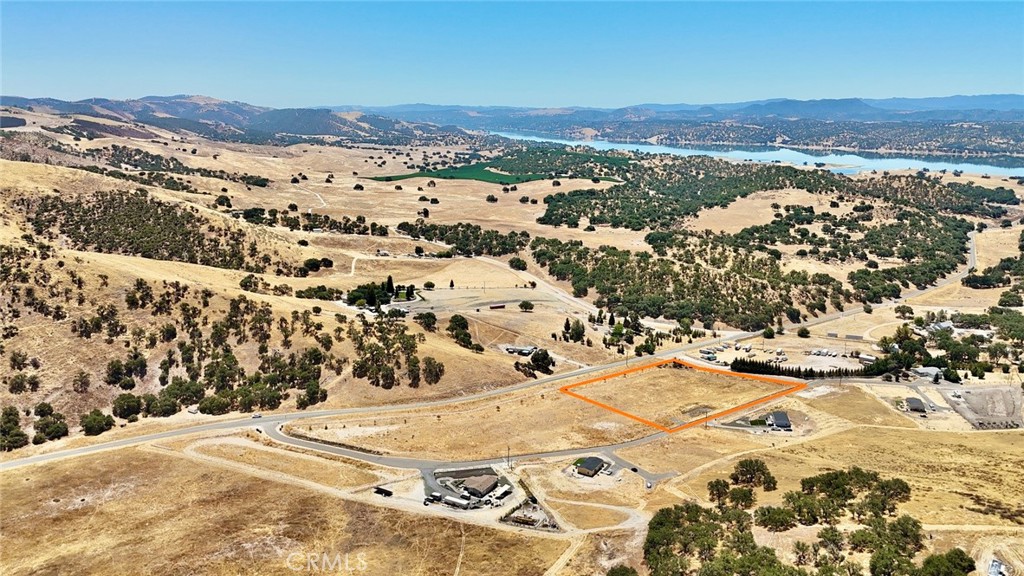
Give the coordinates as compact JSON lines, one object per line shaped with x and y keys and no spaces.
{"x":480,"y":486}
{"x":915,"y":405}
{"x":590,"y":466}
{"x":780,"y":420}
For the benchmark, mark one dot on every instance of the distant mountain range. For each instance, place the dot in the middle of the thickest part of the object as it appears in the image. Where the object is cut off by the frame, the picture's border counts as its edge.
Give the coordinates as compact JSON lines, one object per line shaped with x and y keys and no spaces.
{"x":995,"y":107}
{"x":222,"y":119}
{"x":317,"y":120}
{"x":956,"y":125}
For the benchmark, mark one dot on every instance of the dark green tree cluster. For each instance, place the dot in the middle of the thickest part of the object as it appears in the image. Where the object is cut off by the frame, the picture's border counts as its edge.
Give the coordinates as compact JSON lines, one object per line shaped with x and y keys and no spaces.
{"x":133,"y":223}
{"x":689,"y":538}
{"x":320,"y":292}
{"x":458,"y":329}
{"x":771,"y":368}
{"x":118,"y":156}
{"x":468,"y":239}
{"x":96,"y":422}
{"x":50,"y":425}
{"x":372,"y":295}
{"x":386,"y":354}
{"x":12,"y":436}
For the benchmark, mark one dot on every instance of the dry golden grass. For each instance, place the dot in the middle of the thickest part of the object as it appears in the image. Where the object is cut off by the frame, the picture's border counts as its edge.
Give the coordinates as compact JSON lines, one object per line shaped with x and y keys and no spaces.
{"x":331,"y":473}
{"x":536,"y":420}
{"x":994,"y":244}
{"x":152,"y":513}
{"x":671,"y":396}
{"x":62,"y":354}
{"x":587,"y":517}
{"x":958,"y":297}
{"x":857,"y":406}
{"x":540,"y":419}
{"x":856,"y":323}
{"x":688,"y":449}
{"x":757,"y":209}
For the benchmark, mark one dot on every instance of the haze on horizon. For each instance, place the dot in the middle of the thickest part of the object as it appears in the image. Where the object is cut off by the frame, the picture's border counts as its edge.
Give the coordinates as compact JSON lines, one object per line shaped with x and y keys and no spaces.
{"x":605,"y":55}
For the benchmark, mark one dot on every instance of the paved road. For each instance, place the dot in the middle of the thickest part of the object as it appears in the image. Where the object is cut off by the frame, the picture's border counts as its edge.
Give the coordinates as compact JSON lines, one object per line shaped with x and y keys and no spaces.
{"x":278,"y":419}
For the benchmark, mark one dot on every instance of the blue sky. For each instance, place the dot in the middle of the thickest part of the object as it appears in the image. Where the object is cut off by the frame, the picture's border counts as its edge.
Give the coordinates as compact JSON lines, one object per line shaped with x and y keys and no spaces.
{"x":526,"y":54}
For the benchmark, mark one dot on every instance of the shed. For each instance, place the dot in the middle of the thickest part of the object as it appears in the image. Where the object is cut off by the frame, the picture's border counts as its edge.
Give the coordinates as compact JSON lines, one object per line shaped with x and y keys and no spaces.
{"x":480,"y":486}
{"x":590,"y":466}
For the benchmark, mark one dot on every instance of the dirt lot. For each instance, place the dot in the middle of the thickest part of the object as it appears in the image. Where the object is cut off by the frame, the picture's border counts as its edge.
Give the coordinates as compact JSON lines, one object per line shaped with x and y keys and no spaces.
{"x":989,"y":407}
{"x":598,"y":553}
{"x":554,"y":480}
{"x":172,"y":516}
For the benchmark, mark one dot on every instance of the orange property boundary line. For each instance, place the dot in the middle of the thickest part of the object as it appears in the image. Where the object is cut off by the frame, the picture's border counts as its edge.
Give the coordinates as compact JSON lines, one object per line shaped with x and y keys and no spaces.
{"x":791,"y":387}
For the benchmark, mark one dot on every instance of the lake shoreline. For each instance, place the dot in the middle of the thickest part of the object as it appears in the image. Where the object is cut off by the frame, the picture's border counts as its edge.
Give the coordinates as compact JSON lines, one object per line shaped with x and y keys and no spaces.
{"x":838,"y":160}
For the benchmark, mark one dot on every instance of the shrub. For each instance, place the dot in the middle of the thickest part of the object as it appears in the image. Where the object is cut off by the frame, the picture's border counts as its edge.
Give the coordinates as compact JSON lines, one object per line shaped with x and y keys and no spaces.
{"x":95,"y":423}
{"x":127,"y":405}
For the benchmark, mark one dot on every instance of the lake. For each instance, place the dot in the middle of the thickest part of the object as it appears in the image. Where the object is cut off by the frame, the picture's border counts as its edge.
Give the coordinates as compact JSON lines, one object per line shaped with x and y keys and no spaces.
{"x":839,"y":163}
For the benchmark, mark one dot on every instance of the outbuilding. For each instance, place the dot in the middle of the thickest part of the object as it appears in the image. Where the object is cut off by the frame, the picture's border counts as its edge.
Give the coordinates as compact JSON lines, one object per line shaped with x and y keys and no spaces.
{"x":916,"y":405}
{"x":591,"y":466}
{"x":780,"y":420}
